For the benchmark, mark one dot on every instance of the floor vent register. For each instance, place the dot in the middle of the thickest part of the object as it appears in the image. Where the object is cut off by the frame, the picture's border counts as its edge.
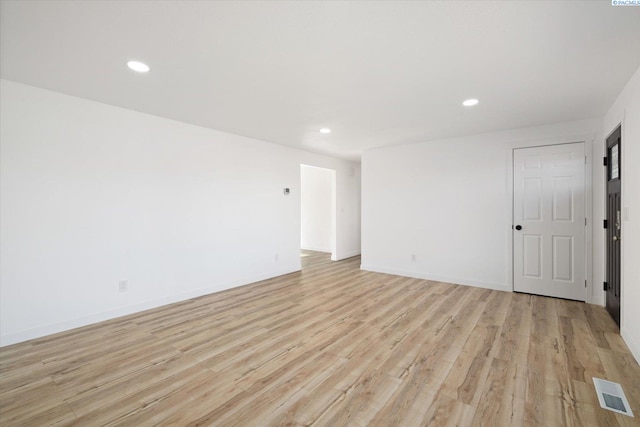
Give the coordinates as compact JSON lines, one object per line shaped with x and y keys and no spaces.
{"x":611,"y":397}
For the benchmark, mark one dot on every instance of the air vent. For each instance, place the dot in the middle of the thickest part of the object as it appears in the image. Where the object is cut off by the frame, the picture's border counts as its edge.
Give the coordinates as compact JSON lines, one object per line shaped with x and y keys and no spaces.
{"x":611,"y":397}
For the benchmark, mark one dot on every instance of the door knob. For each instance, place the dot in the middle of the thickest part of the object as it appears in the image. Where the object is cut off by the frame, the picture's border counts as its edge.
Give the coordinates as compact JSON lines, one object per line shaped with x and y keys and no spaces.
{"x":518,"y":227}
{"x":616,"y":238}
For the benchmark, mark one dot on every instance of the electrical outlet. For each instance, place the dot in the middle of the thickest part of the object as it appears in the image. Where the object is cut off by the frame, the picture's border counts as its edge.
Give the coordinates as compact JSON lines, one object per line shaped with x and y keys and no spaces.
{"x":123,"y":286}
{"x":276,"y":257}
{"x":413,"y":257}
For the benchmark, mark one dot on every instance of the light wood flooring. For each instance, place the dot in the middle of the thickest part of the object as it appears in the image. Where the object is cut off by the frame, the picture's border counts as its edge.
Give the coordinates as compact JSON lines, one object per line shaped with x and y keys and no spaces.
{"x":329,"y":346}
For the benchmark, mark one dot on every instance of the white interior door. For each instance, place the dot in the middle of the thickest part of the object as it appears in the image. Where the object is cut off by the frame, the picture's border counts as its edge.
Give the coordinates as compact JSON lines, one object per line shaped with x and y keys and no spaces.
{"x":549,"y":221}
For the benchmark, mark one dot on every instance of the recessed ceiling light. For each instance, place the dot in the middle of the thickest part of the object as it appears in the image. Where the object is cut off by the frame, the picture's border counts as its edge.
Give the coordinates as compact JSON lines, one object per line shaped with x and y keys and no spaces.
{"x":325,"y":130}
{"x":138,"y":66}
{"x":470,"y":102}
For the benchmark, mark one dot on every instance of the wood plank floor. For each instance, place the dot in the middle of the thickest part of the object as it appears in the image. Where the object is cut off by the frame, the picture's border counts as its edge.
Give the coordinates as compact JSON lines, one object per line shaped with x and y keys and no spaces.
{"x":331,"y":346}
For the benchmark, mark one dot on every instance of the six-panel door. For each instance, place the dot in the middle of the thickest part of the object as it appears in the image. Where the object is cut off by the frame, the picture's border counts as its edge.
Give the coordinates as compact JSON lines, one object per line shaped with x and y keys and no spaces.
{"x":549,"y":221}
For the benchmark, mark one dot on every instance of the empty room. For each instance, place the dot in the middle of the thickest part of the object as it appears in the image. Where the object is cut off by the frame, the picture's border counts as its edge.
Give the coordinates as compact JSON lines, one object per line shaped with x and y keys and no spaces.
{"x":367,"y":213}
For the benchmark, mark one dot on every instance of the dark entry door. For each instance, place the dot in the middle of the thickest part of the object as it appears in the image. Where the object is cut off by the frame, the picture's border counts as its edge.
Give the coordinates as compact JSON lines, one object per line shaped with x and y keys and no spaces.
{"x":613,"y":223}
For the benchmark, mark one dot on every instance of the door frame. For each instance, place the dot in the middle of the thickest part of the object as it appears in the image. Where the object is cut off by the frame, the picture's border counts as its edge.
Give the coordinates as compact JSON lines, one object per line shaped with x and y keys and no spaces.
{"x":588,"y":141}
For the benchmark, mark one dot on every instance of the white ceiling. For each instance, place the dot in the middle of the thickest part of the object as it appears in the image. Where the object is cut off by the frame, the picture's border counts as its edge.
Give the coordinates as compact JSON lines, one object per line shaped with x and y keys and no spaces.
{"x":376,"y":73}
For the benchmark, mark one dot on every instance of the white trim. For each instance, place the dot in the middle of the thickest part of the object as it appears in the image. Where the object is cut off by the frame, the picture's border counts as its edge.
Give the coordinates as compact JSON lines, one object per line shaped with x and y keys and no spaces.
{"x":510,"y":219}
{"x":634,"y":347}
{"x":315,"y":249}
{"x":435,"y":278}
{"x":334,"y":213}
{"x":623,"y":235}
{"x":588,"y":212}
{"x":41,"y":331}
{"x":346,"y":255}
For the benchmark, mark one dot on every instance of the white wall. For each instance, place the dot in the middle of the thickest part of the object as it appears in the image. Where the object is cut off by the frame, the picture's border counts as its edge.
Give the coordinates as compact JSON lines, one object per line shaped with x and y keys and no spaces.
{"x":626,"y":110}
{"x":449,"y":203}
{"x":93,"y":194}
{"x":317,"y":208}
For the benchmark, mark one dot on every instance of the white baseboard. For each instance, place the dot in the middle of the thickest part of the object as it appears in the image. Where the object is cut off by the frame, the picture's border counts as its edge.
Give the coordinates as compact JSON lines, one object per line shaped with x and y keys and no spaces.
{"x":633,"y":346}
{"x":597,"y":299}
{"x":435,"y":278}
{"x":315,"y":249}
{"x":346,"y":255}
{"x":44,"y":330}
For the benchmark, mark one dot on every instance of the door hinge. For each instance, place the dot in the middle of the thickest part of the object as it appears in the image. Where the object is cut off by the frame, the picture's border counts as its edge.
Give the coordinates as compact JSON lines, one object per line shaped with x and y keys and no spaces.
{"x":604,"y":161}
{"x":585,"y":221}
{"x":605,"y":224}
{"x":604,"y":288}
{"x":585,"y":160}
{"x":585,"y":283}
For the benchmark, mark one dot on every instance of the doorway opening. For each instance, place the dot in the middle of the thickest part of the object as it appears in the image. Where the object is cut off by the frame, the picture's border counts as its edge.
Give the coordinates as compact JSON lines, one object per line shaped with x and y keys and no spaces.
{"x":317,"y":211}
